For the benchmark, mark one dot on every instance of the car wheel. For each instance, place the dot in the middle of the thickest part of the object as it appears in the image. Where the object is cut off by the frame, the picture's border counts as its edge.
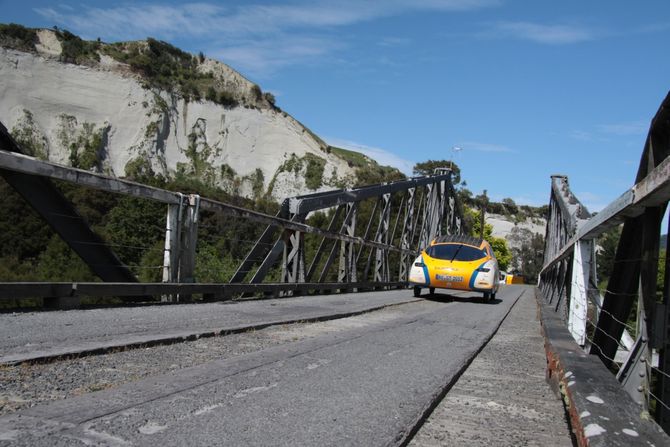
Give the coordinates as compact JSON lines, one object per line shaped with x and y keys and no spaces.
{"x":487,"y":296}
{"x":431,"y":290}
{"x":417,"y":291}
{"x":493,"y":296}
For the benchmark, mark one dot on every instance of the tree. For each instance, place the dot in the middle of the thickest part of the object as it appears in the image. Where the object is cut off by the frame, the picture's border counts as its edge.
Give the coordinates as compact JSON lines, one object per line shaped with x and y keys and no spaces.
{"x":133,"y":226}
{"x":510,"y":205}
{"x":498,"y":244}
{"x":428,"y":168}
{"x":608,"y":242}
{"x":528,"y":252}
{"x":502,"y":251}
{"x":58,"y":262}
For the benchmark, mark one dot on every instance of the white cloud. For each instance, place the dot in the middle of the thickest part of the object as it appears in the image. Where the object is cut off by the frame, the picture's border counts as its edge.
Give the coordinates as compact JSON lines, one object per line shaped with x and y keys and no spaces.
{"x":531,"y":200}
{"x":653,"y":28}
{"x":604,"y":133}
{"x":485,"y":147}
{"x":381,"y":156}
{"x":542,"y":33}
{"x":246,"y":35}
{"x":138,"y":21}
{"x":394,"y":42}
{"x":638,"y":128}
{"x":593,"y":202}
{"x":264,"y":57}
{"x":581,"y":135}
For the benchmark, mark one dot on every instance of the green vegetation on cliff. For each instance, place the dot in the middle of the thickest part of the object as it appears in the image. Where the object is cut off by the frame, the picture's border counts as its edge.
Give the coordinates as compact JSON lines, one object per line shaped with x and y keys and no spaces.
{"x":368,"y":171}
{"x":17,"y":37}
{"x":160,"y":64}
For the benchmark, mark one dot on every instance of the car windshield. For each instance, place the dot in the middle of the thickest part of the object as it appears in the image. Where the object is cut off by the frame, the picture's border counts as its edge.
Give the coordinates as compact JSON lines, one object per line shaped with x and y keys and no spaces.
{"x":455,"y":252}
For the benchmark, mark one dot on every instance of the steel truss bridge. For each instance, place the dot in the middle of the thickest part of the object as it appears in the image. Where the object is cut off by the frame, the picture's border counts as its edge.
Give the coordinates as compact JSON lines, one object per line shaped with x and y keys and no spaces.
{"x":626,"y":323}
{"x":617,"y":334}
{"x":405,"y":215}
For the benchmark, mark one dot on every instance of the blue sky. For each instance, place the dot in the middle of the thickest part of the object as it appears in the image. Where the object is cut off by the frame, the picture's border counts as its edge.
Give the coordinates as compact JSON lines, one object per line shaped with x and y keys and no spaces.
{"x":525,"y":89}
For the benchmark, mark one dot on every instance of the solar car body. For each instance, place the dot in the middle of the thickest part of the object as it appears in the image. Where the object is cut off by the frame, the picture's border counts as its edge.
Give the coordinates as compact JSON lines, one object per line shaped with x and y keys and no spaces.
{"x":456,"y":262}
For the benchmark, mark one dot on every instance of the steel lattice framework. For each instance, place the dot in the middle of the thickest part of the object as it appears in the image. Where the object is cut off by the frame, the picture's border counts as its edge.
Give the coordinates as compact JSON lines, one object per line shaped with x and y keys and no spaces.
{"x":426,"y":208}
{"x":405,"y":217}
{"x":568,"y":281}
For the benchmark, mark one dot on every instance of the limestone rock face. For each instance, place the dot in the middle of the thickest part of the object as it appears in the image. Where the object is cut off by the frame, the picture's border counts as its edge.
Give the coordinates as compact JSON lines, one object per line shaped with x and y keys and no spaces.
{"x":103,"y":118}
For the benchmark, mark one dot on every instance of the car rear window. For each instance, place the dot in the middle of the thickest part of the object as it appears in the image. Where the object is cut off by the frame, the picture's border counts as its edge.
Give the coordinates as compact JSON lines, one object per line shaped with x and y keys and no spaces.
{"x":455,"y":252}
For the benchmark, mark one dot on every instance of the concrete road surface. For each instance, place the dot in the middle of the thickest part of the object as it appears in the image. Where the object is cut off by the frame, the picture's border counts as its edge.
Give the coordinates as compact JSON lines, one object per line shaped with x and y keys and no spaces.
{"x":44,"y":335}
{"x":372,"y":384}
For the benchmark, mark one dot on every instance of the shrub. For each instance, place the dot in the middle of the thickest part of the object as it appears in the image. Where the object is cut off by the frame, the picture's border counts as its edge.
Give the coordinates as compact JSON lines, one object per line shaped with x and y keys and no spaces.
{"x":28,"y":136}
{"x":257,"y":182}
{"x":139,"y":169}
{"x":227,"y":99}
{"x":256,"y":92}
{"x":85,"y":150}
{"x":314,"y":171}
{"x":211,"y":94}
{"x":269,"y":97}
{"x":18,"y":37}
{"x":77,"y":51}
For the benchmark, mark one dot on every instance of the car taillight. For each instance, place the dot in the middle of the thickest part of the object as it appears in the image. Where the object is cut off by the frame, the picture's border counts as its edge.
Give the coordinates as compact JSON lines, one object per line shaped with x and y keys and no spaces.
{"x":419,"y":264}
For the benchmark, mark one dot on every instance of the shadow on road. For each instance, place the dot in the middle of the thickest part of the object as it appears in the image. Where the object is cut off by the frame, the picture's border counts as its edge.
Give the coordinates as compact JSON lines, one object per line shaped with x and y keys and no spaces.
{"x":447,"y":298}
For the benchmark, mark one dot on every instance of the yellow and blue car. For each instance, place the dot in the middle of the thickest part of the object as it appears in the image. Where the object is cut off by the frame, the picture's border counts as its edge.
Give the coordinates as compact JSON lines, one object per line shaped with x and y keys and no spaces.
{"x":456,"y":262}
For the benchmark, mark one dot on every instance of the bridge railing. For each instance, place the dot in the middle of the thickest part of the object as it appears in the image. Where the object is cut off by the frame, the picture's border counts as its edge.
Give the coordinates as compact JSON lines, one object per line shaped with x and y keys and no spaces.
{"x":626,"y":323}
{"x":366,"y":238}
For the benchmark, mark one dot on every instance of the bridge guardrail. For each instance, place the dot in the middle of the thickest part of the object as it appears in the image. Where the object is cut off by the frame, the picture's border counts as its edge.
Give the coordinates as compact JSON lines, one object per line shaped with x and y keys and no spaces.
{"x":637,"y":350}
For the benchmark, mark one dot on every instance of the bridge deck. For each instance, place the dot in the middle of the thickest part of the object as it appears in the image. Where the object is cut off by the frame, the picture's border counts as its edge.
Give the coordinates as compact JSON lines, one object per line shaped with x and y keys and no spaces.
{"x":502,"y":398}
{"x":44,"y":335}
{"x":365,"y":380}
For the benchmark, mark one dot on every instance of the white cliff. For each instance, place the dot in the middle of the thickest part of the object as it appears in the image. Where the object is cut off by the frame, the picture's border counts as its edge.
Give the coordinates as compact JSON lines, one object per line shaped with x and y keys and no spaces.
{"x":103,"y":117}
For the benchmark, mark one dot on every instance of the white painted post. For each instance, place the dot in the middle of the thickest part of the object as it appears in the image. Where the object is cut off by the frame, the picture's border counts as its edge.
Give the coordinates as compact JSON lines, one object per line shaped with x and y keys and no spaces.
{"x":172,"y":246}
{"x":581,"y":270}
{"x":347,"y":268}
